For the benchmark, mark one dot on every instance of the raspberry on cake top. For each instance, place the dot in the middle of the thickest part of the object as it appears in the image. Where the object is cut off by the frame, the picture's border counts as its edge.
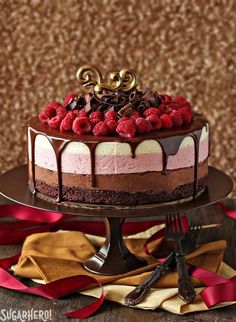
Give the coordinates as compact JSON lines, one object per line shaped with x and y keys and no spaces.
{"x":124,"y":113}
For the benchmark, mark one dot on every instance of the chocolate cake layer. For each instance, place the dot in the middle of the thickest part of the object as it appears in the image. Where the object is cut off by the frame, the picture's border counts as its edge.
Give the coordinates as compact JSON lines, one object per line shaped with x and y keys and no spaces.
{"x":132,"y":182}
{"x":95,"y":196}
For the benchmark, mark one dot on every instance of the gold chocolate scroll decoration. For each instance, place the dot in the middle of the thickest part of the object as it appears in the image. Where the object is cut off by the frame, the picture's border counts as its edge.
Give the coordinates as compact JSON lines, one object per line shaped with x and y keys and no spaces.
{"x":125,"y":79}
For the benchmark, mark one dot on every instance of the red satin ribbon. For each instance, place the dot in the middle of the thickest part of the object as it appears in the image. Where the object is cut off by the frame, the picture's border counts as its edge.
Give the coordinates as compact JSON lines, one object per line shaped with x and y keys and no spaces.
{"x":218,"y":288}
{"x":226,"y":211}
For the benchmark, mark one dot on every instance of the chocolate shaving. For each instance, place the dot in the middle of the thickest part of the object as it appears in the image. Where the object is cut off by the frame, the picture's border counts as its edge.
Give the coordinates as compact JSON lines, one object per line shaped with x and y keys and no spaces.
{"x":149,"y":97}
{"x":158,"y":101}
{"x":126,"y":110}
{"x":143,"y":105}
{"x":76,"y":104}
{"x":134,"y":97}
{"x":122,"y":102}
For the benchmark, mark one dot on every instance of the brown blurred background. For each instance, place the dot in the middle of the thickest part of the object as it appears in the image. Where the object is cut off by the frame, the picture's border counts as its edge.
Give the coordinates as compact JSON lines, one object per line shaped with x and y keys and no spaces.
{"x":177,"y":46}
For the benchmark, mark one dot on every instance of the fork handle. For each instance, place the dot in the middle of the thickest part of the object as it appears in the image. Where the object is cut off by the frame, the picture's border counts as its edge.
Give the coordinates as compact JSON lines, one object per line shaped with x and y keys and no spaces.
{"x":186,"y":290}
{"x":140,"y":291}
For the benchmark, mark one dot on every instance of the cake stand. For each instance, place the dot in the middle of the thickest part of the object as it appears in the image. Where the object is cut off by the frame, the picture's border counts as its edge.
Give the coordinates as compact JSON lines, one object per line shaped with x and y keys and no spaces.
{"x":114,"y":257}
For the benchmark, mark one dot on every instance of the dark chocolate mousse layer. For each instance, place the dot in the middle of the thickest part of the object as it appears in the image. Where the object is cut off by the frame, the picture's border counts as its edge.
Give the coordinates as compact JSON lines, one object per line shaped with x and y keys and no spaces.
{"x":132,"y":182}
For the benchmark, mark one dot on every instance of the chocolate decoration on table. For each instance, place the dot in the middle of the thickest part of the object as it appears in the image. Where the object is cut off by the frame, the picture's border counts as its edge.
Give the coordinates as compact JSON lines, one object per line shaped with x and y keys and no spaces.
{"x":169,"y":141}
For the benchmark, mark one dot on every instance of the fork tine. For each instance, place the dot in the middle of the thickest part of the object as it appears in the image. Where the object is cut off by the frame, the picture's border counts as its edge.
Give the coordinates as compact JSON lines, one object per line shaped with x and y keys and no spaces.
{"x":175,"y":222}
{"x":192,"y":226}
{"x":191,"y":240}
{"x":167,"y":224}
{"x":180,"y":228}
{"x":200,"y":231}
{"x":194,"y":237}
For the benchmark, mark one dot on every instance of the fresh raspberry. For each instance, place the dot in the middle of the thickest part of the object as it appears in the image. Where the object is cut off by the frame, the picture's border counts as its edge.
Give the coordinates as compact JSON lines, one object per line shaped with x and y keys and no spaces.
{"x":142,"y":125}
{"x":110,"y":115}
{"x":49,"y":111}
{"x":61,"y":111}
{"x":166,"y":98}
{"x":66,"y":124}
{"x":152,"y":111}
{"x":184,"y":103}
{"x":82,"y":113}
{"x":166,"y":121}
{"x":69,"y":98}
{"x":52,"y":105}
{"x":176,"y":118}
{"x":101,"y":129}
{"x":82,"y":125}
{"x":186,"y":114}
{"x":95,"y":121}
{"x":95,"y":117}
{"x":126,"y":128}
{"x":55,"y":122}
{"x":122,"y":119}
{"x":154,"y":121}
{"x":135,"y":115}
{"x":186,"y":106}
{"x":174,"y":106}
{"x":166,"y":108}
{"x":43,"y":118}
{"x":112,"y":124}
{"x":179,"y":99}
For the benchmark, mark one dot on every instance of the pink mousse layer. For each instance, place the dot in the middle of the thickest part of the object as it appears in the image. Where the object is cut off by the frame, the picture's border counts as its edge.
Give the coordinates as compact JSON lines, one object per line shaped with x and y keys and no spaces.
{"x":110,"y":164}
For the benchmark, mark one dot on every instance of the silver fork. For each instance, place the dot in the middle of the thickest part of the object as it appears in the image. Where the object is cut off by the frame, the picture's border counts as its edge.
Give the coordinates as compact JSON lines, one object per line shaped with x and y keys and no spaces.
{"x":189,"y":244}
{"x":174,"y":232}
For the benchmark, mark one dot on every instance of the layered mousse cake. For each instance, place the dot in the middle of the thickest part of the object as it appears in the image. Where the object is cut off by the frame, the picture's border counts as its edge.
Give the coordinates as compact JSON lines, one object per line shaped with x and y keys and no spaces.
{"x":118,"y":145}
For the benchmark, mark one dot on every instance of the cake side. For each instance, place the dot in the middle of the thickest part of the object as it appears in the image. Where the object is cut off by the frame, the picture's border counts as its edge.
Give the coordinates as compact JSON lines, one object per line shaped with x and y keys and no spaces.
{"x":123,"y":173}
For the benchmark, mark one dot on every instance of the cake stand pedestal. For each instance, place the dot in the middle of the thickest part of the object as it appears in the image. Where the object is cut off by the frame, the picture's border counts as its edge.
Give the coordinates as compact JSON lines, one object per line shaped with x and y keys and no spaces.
{"x":114,"y":257}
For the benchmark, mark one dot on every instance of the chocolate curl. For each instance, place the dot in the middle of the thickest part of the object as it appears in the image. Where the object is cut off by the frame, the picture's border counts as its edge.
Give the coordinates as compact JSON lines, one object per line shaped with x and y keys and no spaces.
{"x":92,"y":104}
{"x":149,"y":97}
{"x":103,"y":108}
{"x":134,"y":97}
{"x":123,"y":103}
{"x":126,"y":110}
{"x":158,"y":100}
{"x":76,"y":104}
{"x":143,"y":106}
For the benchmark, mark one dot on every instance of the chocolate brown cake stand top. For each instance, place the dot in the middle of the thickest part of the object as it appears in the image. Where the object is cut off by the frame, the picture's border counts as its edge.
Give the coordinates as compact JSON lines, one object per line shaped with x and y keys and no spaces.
{"x":219,"y":186}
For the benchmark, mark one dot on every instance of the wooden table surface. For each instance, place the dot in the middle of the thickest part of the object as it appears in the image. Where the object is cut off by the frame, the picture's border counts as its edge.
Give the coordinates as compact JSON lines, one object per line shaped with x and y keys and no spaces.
{"x":112,"y":312}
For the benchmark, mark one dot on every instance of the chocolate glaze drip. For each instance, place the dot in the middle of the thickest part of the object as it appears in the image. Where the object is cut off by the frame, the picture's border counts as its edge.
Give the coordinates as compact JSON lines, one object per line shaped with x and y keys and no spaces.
{"x":33,"y":135}
{"x":92,"y":149}
{"x":169,"y":141}
{"x":196,"y":137}
{"x":58,"y":147}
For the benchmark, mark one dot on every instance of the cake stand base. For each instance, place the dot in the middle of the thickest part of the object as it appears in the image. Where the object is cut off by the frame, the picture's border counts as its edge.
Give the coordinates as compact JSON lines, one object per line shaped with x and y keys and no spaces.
{"x":114,"y":257}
